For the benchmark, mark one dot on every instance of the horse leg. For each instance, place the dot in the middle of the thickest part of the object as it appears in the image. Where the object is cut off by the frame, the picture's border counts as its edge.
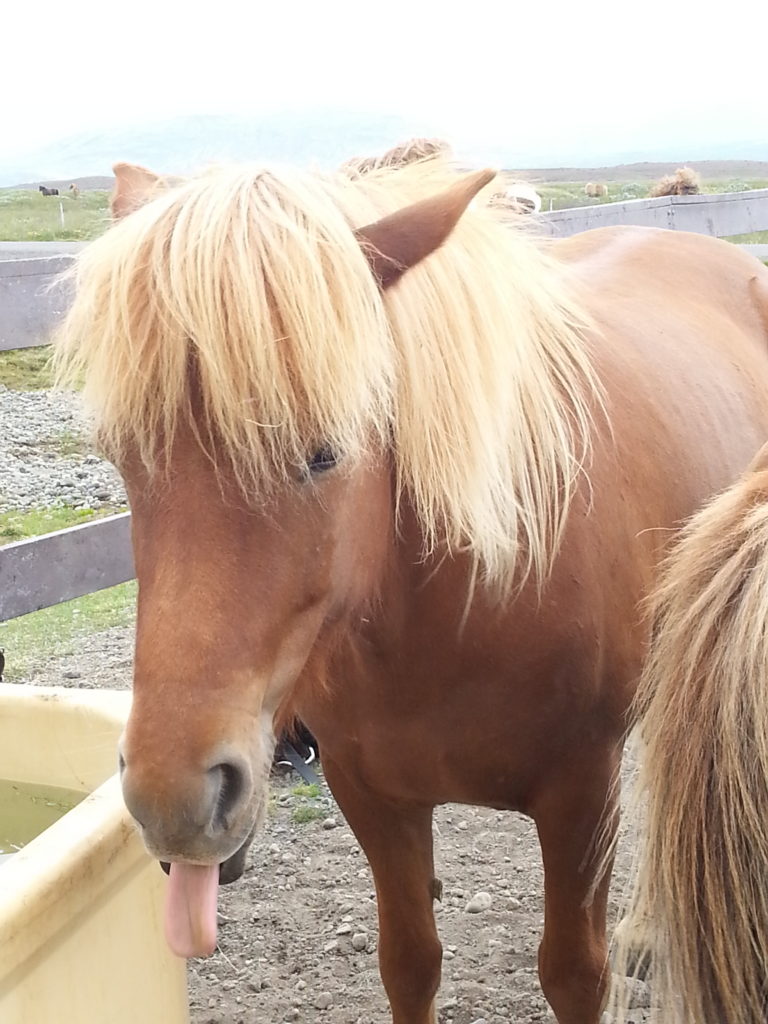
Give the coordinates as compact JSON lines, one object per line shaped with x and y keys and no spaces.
{"x":397,"y":840}
{"x":574,"y":815}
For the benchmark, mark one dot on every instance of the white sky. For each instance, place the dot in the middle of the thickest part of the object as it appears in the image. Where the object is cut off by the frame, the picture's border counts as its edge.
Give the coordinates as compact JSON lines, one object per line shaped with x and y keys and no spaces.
{"x":538,"y":70}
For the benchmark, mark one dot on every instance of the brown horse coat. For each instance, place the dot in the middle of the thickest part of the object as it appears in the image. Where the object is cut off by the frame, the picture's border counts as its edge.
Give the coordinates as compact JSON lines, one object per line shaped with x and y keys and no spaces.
{"x":334,"y":598}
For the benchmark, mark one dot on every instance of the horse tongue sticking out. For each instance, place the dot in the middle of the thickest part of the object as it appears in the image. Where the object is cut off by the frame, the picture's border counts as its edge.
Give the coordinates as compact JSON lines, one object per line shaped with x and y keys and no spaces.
{"x":190,"y":909}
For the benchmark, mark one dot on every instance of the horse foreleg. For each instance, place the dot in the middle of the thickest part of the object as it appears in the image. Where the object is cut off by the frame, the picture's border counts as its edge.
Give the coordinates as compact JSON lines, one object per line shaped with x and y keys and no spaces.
{"x":575,"y":816}
{"x":397,"y":840}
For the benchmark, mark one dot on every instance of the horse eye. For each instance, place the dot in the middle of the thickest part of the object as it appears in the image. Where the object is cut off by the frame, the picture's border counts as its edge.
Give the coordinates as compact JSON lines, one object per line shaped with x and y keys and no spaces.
{"x":322,"y":460}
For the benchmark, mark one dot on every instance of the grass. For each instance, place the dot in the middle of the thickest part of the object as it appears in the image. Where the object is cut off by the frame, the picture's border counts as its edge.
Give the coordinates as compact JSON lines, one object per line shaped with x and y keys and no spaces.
{"x":752,"y":238}
{"x":26,"y":369}
{"x":29,"y":216}
{"x":31,"y":639}
{"x":307,"y":790}
{"x":21,"y":525}
{"x":304,"y":814}
{"x":66,"y":443}
{"x":307,"y":810}
{"x":570,"y":194}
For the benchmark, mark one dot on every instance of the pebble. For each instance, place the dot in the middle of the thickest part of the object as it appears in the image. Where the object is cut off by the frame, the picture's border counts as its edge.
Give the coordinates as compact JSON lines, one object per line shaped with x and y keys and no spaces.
{"x":329,"y":823}
{"x":323,"y":1000}
{"x":360,"y":941}
{"x":638,"y":991}
{"x":479,"y":903}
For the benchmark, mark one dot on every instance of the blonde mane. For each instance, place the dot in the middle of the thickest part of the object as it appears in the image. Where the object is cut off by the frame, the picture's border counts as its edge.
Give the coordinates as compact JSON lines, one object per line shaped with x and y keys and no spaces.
{"x":240,"y":303}
{"x":401,"y":155}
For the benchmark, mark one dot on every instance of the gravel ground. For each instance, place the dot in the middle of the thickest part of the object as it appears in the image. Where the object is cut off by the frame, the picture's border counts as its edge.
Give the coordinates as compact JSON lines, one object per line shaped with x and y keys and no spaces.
{"x":298,"y":932}
{"x":35,"y":426}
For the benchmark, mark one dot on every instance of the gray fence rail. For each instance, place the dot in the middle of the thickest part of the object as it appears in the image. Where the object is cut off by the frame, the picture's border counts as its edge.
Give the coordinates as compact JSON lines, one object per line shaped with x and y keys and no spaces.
{"x":43,"y":571}
{"x":721,"y":215}
{"x":32,"y":299}
{"x":37,"y":573}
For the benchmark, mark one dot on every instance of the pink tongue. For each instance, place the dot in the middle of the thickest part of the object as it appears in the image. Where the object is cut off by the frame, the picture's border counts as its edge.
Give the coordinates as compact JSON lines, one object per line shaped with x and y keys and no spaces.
{"x":190,"y":909}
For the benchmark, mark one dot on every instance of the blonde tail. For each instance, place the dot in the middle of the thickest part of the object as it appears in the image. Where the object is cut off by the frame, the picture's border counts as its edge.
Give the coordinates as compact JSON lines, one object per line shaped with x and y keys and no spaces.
{"x":702,"y":884}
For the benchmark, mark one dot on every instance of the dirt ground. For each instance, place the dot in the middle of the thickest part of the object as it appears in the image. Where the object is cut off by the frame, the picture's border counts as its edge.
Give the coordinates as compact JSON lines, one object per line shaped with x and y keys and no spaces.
{"x":297,"y":940}
{"x":292,"y":929}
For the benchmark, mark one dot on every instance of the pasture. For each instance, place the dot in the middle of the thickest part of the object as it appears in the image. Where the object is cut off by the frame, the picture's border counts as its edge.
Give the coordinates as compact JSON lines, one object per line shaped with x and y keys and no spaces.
{"x":29,"y":216}
{"x":569,"y":194}
{"x":26,"y":369}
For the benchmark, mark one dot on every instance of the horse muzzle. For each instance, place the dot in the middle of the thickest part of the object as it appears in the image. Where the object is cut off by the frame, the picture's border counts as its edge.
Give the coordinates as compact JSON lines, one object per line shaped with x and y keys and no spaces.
{"x":198,"y":817}
{"x":231,"y":869}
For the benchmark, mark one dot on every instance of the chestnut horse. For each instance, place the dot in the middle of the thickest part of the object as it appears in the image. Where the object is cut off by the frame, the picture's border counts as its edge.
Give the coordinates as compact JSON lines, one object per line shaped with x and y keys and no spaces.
{"x":684,"y":182}
{"x":406,"y":473}
{"x":702,"y":890}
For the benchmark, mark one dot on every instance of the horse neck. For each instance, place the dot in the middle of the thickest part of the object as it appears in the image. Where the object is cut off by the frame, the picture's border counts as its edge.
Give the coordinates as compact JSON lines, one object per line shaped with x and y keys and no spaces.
{"x":411,"y":590}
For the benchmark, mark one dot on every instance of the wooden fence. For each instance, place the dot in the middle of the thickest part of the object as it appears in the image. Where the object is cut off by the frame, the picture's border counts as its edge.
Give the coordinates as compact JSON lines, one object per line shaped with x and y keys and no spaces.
{"x":721,"y":215}
{"x":44,"y":571}
{"x":32,"y":299}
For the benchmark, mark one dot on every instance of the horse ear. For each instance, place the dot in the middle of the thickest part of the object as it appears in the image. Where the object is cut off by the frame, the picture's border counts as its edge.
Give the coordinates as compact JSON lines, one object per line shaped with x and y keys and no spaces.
{"x":134,"y":186}
{"x":399,"y":241}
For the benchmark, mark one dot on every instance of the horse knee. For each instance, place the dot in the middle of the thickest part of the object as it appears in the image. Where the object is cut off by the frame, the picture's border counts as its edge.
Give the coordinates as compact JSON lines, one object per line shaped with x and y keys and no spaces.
{"x":410,"y":970}
{"x":575,"y":984}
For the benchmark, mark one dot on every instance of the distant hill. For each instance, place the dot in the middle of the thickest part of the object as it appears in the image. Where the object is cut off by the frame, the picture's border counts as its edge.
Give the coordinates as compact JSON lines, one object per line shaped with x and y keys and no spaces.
{"x":327,"y":137}
{"x":92,"y":184}
{"x":183,"y":144}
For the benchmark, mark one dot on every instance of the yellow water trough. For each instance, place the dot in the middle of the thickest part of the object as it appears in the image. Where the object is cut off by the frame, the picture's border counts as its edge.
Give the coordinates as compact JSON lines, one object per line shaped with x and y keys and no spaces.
{"x":81,"y":935}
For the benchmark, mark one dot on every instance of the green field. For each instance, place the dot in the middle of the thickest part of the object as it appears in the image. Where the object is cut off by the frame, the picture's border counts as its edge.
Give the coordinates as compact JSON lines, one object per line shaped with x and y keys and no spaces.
{"x":569,"y":194}
{"x":31,"y":639}
{"x":26,"y":369}
{"x":27,"y":216}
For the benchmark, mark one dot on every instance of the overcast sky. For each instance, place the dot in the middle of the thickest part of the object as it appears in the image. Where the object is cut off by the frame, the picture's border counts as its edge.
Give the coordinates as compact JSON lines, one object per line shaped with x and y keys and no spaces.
{"x":541,"y":69}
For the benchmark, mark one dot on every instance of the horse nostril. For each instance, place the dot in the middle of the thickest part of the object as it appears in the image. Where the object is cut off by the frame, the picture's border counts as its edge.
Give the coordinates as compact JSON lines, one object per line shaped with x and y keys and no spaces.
{"x":231,"y":785}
